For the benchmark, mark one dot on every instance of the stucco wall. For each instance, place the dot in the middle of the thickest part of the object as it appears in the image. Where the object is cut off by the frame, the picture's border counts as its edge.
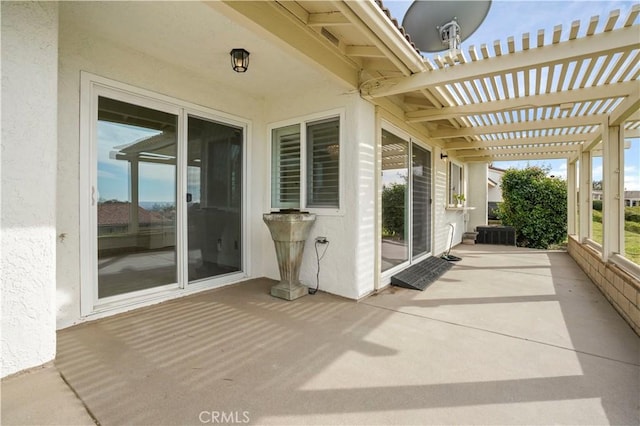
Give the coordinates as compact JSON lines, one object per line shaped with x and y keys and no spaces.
{"x":443,"y":217}
{"x":80,"y":50}
{"x":29,"y":108}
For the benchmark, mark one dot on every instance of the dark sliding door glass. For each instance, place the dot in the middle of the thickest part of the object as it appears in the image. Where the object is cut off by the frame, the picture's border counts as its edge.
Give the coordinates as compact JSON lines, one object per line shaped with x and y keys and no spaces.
{"x":421,"y":192}
{"x":214,"y":198}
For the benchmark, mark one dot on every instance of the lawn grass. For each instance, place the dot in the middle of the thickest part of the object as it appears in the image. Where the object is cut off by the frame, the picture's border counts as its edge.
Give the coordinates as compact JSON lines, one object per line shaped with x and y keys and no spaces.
{"x":631,"y":242}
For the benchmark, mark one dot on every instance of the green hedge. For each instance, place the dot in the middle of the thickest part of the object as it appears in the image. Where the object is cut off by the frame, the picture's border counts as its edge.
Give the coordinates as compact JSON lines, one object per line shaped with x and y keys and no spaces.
{"x":535,"y":205}
{"x":631,"y":214}
{"x":630,"y":226}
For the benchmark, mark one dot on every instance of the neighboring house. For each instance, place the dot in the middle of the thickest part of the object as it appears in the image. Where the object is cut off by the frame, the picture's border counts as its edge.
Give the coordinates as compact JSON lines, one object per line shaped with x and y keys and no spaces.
{"x":631,"y":198}
{"x":127,"y":101}
{"x":494,"y":183}
{"x":114,"y":217}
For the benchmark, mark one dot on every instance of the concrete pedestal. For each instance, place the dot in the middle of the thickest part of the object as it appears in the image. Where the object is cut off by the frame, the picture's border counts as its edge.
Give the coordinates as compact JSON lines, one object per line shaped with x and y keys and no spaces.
{"x":289,"y":232}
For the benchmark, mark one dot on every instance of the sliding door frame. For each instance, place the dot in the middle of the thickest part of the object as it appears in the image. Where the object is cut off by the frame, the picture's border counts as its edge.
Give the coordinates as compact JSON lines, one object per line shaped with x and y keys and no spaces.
{"x":91,"y":87}
{"x":385,"y":276}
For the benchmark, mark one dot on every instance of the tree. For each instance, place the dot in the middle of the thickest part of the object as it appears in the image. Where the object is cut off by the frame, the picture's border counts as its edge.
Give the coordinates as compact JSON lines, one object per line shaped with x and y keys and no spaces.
{"x":535,"y":205}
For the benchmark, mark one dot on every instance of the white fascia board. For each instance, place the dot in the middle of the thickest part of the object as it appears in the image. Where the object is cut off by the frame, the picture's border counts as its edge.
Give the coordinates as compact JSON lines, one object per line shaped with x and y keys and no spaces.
{"x":375,"y":21}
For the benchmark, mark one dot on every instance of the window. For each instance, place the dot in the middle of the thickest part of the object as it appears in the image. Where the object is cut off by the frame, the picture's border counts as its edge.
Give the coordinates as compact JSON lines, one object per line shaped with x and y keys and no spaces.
{"x":631,"y":204}
{"x":456,"y":184}
{"x":311,"y":174}
{"x":596,"y":194}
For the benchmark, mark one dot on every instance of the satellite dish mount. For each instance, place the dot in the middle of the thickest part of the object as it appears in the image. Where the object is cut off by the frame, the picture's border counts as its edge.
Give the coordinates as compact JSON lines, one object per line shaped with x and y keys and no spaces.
{"x":450,"y":36}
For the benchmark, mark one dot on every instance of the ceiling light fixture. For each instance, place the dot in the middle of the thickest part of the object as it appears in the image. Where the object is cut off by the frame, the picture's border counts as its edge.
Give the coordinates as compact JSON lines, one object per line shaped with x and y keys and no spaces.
{"x":239,"y":60}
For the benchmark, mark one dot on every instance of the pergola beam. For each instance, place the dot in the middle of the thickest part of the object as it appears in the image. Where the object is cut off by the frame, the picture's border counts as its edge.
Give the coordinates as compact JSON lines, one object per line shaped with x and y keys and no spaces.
{"x":513,"y":157}
{"x":520,"y":127}
{"x":626,"y":109}
{"x":620,"y":40}
{"x":542,"y":140}
{"x":565,"y":150}
{"x":526,"y":102}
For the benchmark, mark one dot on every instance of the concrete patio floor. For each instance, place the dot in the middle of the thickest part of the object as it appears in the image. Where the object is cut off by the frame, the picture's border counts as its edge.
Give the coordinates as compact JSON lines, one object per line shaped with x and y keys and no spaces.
{"x":507,"y":336}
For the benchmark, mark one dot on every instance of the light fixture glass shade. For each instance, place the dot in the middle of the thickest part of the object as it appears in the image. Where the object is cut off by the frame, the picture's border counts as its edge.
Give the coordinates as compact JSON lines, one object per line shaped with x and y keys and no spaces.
{"x":239,"y":60}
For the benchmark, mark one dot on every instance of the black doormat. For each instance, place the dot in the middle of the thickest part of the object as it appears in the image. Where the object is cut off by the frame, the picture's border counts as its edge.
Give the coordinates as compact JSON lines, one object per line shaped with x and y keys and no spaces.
{"x":420,"y":275}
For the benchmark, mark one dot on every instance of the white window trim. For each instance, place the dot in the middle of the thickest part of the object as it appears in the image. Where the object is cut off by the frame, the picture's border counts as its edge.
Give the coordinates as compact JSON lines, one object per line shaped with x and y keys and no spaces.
{"x":450,"y":202}
{"x":92,"y":86}
{"x":302,"y":121}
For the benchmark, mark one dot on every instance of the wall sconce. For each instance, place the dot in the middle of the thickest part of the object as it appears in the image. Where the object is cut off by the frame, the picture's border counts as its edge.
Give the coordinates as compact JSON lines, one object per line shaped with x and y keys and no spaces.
{"x":443,"y":156}
{"x":239,"y":60}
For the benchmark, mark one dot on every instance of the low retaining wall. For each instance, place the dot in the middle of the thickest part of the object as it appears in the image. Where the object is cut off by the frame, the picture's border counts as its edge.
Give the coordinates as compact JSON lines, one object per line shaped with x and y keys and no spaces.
{"x":620,"y":288}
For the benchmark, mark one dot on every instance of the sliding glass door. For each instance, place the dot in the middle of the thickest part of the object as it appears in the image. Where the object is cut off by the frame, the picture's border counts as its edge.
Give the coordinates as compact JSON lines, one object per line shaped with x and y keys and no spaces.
{"x":166,"y":195}
{"x":406,"y":201}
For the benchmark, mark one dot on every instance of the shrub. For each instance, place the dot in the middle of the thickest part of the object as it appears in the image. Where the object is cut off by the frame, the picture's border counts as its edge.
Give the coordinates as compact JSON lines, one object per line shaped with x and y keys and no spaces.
{"x":535,"y":205}
{"x":632,"y":214}
{"x":597,"y":216}
{"x":597,"y":205}
{"x":632,"y":227}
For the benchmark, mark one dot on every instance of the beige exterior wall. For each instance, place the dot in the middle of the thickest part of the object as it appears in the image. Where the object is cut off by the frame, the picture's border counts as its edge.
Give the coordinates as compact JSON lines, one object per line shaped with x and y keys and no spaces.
{"x":620,"y":288}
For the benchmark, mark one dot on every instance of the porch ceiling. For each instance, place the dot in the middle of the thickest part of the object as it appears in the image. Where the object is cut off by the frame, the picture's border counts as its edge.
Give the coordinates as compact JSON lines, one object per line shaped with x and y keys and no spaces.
{"x":195,"y":37}
{"x":542,"y":96}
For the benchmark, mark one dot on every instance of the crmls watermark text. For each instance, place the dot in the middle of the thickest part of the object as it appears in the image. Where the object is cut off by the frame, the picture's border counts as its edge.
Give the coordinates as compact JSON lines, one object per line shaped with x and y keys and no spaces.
{"x":224,"y":417}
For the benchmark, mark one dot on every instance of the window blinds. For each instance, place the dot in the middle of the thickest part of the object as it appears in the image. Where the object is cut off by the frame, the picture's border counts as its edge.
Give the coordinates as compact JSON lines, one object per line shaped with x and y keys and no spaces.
{"x":323,"y":163}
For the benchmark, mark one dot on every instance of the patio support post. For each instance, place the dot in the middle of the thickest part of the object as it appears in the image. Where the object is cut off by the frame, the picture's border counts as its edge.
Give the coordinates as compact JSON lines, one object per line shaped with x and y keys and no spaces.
{"x":572,"y":199}
{"x":585,"y":196}
{"x":135,"y":198}
{"x":612,"y":189}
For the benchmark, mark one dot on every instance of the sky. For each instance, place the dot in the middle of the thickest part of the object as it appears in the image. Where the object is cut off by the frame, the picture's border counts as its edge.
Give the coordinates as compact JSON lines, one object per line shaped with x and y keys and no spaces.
{"x":157,"y":181}
{"x":514,"y":18}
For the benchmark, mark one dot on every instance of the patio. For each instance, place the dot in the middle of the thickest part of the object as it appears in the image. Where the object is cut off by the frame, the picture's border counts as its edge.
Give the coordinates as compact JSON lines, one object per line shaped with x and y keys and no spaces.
{"x":507,"y":336}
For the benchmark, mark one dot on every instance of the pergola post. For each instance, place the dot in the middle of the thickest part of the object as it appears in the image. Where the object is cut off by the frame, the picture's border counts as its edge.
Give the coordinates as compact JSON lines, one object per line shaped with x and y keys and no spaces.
{"x":572,"y":197}
{"x":612,"y":190}
{"x":585,"y":196}
{"x":134,"y":170}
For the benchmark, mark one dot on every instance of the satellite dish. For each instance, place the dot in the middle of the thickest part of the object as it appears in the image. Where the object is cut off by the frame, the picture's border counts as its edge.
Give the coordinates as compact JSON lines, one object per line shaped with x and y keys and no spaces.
{"x":435,"y":26}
